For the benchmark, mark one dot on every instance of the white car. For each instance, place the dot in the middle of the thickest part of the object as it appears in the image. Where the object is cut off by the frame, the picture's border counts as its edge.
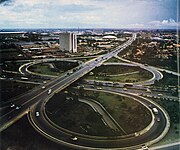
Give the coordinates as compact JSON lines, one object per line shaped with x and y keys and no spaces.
{"x":158,"y":119}
{"x":43,"y":87}
{"x":125,"y":89}
{"x":49,"y":91}
{"x":144,"y":147}
{"x":74,"y":138}
{"x":37,"y":113}
{"x":12,"y":105}
{"x":18,"y":107}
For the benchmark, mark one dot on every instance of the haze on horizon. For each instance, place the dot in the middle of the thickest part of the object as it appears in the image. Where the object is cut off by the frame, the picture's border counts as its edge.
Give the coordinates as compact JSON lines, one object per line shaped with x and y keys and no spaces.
{"x":159,"y":14}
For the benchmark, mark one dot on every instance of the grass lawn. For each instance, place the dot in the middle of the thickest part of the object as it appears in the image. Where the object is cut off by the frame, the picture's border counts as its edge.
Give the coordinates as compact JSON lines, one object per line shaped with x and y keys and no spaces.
{"x":76,"y":116}
{"x":130,"y":114}
{"x":172,"y":136}
{"x":172,"y":107}
{"x":12,"y":66}
{"x":113,"y":59}
{"x":10,"y":54}
{"x":55,"y":68}
{"x":102,"y":73}
{"x":10,"y":89}
{"x":43,"y":69}
{"x":84,"y":59}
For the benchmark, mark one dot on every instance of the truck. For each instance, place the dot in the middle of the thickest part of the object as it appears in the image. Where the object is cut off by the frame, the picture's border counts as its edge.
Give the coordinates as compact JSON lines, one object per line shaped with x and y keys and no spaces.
{"x":155,"y":110}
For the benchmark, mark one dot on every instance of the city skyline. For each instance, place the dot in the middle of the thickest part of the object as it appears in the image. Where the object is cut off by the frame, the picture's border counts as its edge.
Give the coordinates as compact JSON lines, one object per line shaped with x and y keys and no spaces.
{"x":157,"y":14}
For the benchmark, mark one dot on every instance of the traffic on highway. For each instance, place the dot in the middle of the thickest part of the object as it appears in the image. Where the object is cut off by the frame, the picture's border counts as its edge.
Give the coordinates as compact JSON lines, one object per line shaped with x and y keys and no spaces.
{"x":33,"y":103}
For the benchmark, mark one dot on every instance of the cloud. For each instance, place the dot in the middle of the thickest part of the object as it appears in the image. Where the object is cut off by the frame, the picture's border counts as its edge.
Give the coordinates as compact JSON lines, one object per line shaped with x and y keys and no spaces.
{"x":169,"y":22}
{"x":5,"y":2}
{"x":86,"y":13}
{"x":2,"y":1}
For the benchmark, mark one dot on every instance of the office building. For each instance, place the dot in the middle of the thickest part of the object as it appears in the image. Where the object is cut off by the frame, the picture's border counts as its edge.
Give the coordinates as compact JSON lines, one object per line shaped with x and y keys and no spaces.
{"x":68,"y":42}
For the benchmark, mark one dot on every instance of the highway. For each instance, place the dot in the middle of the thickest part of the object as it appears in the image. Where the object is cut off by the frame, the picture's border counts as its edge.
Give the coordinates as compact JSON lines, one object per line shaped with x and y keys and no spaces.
{"x":156,"y":74}
{"x":36,"y":99}
{"x":57,"y":84}
{"x":60,"y":135}
{"x":172,"y":146}
{"x":106,"y":117}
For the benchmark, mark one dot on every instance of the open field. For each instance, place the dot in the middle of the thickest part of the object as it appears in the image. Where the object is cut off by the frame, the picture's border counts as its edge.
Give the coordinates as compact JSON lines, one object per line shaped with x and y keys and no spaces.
{"x":173,"y":109}
{"x":131,"y":115}
{"x":10,"y":89}
{"x":22,"y":136}
{"x":10,"y":54}
{"x":55,"y":68}
{"x":76,"y":116}
{"x":168,"y":79}
{"x":12,"y":66}
{"x":120,"y":74}
{"x":113,"y":59}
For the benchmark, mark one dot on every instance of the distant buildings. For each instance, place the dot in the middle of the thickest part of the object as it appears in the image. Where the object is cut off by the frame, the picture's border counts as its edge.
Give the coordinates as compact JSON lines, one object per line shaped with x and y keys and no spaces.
{"x":109,"y":37}
{"x":9,"y":35}
{"x":68,"y":42}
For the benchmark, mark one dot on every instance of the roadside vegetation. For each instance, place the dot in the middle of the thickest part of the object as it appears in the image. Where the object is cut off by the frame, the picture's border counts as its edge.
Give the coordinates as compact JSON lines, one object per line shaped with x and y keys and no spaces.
{"x":173,"y":109}
{"x":120,"y":73}
{"x":12,"y":52}
{"x":55,"y":68}
{"x":130,"y":114}
{"x":147,"y":51}
{"x":66,"y":111}
{"x":79,"y":117}
{"x":84,"y":59}
{"x":10,"y":89}
{"x":115,"y":60}
{"x":169,"y":82}
{"x":11,"y":66}
{"x":22,"y":136}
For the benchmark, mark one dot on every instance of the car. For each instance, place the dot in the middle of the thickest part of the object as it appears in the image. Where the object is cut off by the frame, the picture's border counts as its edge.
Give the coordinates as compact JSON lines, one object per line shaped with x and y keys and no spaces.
{"x":136,"y":134}
{"x":150,"y":106}
{"x":125,"y":89}
{"x":74,"y":138}
{"x":12,"y":105}
{"x":158,"y":119}
{"x":49,"y":91}
{"x":18,"y":107}
{"x":99,"y":88}
{"x":148,"y":90}
{"x":43,"y":87}
{"x":145,"y":147}
{"x":37,"y":113}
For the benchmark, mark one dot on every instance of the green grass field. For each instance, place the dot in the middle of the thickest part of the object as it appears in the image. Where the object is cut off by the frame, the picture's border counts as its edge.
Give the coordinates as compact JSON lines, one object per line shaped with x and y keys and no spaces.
{"x":43,"y":69}
{"x":173,"y":109}
{"x":103,"y":73}
{"x":131,"y":115}
{"x":113,"y":59}
{"x":76,"y":116}
{"x":58,"y":68}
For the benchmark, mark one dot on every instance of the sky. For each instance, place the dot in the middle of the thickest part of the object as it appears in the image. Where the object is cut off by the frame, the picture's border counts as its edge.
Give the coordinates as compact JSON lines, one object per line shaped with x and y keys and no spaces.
{"x":160,"y":14}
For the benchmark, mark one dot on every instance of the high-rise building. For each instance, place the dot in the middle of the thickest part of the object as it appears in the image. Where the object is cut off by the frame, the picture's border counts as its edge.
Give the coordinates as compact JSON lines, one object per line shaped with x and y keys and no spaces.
{"x":68,"y":42}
